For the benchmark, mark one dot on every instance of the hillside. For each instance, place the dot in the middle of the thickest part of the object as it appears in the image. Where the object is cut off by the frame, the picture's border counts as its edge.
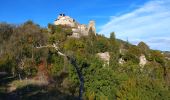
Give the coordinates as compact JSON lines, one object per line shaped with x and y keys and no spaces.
{"x":39,"y":63}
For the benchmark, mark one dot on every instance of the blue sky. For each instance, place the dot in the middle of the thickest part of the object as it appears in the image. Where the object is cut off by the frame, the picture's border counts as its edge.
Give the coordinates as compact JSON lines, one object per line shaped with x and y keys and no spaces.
{"x":137,"y":20}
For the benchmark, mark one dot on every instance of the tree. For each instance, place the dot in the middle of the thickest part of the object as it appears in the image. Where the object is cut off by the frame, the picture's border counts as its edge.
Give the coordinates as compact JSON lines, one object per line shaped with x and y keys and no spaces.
{"x":114,"y":49}
{"x":75,"y":65}
{"x":6,"y":31}
{"x":143,"y":47}
{"x":91,"y":34}
{"x":20,"y":46}
{"x":112,"y":36}
{"x":101,"y":44}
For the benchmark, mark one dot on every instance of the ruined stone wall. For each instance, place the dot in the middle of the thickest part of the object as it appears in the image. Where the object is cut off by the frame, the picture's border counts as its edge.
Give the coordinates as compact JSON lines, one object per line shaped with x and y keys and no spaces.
{"x":83,"y":30}
{"x":92,"y":26}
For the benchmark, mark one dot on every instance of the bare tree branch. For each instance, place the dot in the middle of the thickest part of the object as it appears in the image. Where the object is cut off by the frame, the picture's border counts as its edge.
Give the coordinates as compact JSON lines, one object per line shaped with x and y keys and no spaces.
{"x":74,"y":63}
{"x":52,"y":46}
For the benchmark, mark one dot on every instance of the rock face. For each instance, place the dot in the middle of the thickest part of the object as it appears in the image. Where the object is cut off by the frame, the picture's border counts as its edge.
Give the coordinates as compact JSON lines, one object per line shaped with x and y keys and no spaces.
{"x":77,"y":29}
{"x":105,"y":57}
{"x":143,"y":61}
{"x":121,"y":61}
{"x":65,"y":20}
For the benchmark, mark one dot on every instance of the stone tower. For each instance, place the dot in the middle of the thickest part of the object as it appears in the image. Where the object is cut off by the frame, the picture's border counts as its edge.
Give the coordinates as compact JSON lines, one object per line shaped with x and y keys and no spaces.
{"x":92,"y":26}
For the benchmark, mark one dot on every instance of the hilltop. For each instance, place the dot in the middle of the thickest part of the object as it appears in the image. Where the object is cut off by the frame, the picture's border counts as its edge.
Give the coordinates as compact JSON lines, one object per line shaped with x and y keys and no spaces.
{"x":78,"y":29}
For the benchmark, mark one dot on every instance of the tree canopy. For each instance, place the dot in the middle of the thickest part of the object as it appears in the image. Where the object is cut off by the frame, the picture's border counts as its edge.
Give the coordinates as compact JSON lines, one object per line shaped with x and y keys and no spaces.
{"x":19,"y":56}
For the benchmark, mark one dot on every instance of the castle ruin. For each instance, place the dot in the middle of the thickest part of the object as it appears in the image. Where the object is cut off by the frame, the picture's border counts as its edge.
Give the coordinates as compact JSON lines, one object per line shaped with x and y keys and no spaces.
{"x":77,"y":29}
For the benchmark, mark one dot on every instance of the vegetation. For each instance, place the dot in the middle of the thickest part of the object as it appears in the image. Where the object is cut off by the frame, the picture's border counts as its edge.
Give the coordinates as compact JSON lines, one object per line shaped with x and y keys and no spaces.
{"x":23,"y":64}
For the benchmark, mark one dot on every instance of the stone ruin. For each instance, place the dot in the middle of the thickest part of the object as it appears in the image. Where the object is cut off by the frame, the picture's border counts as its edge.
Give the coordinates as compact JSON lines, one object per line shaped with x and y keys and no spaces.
{"x":105,"y":57}
{"x":77,"y":29}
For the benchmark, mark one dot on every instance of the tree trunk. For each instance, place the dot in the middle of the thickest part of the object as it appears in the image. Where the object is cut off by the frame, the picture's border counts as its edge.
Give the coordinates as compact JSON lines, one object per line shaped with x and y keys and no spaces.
{"x":80,"y":76}
{"x":19,"y":76}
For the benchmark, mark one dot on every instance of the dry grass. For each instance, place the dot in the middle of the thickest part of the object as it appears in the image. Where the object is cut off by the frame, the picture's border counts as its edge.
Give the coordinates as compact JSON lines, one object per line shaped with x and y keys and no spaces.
{"x":19,"y":84}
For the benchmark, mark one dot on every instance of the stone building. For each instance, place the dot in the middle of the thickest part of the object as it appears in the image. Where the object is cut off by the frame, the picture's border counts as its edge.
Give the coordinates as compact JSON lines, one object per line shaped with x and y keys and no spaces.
{"x":77,"y":29}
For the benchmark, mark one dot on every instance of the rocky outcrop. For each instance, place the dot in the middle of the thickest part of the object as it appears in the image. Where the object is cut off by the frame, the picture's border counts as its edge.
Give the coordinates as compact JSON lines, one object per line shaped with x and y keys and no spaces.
{"x":143,"y":61}
{"x":121,"y":61}
{"x":105,"y":57}
{"x":77,"y":29}
{"x":65,"y":20}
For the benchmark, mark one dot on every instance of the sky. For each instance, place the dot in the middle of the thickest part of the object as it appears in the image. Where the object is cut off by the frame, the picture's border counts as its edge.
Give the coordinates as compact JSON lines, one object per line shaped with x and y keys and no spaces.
{"x":135,"y":20}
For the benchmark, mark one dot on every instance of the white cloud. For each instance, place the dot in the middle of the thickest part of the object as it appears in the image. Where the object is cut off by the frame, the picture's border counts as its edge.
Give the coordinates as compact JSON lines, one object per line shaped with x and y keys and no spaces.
{"x":149,"y":23}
